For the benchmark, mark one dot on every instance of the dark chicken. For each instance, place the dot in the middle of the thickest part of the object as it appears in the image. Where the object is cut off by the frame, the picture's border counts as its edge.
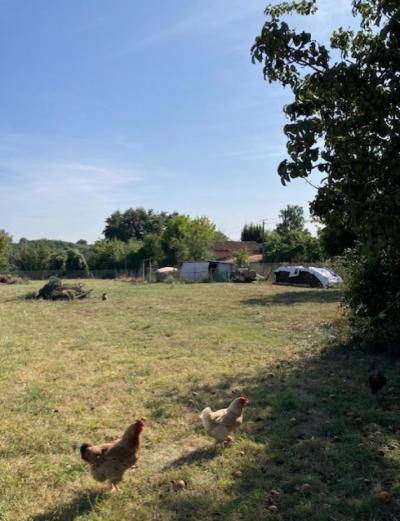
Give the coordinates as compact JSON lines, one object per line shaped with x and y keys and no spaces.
{"x":376,"y":378}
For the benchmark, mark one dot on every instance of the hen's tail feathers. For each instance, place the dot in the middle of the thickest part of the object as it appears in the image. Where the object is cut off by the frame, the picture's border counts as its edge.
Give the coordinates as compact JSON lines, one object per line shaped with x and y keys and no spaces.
{"x":84,"y":452}
{"x":205,"y":417}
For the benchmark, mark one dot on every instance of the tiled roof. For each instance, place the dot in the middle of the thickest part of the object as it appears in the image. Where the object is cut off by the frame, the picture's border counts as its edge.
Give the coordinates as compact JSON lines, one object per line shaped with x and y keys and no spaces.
{"x":231,"y":246}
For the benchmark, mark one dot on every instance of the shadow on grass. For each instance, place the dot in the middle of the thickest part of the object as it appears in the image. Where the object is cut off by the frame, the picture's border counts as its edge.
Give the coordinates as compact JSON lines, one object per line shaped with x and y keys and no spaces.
{"x":311,"y":423}
{"x":323,"y":296}
{"x":197,"y":456}
{"x":82,"y":504}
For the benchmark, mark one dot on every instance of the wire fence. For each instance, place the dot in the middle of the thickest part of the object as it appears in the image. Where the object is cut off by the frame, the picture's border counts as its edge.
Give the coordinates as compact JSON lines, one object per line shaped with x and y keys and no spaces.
{"x":149,"y":274}
{"x":76,"y":274}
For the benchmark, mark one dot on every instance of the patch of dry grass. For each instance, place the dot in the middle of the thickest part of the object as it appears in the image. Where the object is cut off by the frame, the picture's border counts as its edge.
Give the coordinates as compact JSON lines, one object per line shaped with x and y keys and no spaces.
{"x":81,"y":371}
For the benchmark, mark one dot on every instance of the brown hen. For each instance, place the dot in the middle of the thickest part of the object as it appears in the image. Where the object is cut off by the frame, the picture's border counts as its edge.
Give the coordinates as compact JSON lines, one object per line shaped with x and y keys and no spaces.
{"x":109,"y":461}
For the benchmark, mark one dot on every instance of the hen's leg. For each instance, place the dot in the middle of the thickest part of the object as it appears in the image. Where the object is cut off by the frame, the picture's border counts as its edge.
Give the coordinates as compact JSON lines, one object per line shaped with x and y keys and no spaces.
{"x":114,"y":486}
{"x":227,"y":441}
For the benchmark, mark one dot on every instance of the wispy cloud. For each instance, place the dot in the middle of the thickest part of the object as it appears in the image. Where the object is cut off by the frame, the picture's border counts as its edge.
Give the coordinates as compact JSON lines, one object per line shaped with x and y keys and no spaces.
{"x":60,"y":179}
{"x":123,"y":141}
{"x":62,"y":198}
{"x":10,"y":141}
{"x":215,"y":18}
{"x":330,"y":15}
{"x":334,"y":8}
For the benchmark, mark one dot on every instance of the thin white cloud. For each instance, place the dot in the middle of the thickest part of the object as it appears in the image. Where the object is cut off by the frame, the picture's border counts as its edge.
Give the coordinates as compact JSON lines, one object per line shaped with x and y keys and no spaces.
{"x":120,"y":139}
{"x":10,"y":141}
{"x":215,"y":18}
{"x":55,"y":179}
{"x":331,"y":14}
{"x":62,"y":198}
{"x":334,"y":8}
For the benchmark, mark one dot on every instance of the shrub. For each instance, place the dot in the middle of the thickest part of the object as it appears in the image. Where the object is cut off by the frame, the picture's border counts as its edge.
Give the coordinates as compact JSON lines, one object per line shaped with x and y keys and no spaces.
{"x":373,"y":295}
{"x":241,"y":258}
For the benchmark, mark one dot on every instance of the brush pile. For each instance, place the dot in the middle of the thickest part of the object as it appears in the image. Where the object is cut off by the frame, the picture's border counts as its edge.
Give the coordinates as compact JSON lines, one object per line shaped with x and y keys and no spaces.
{"x":10,"y":279}
{"x":55,"y":289}
{"x":245,"y":275}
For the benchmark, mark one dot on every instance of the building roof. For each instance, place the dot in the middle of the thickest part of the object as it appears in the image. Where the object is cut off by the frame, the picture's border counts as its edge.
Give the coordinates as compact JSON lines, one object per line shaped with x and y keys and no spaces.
{"x":258,"y":257}
{"x":224,"y":249}
{"x":207,"y":261}
{"x":253,"y":259}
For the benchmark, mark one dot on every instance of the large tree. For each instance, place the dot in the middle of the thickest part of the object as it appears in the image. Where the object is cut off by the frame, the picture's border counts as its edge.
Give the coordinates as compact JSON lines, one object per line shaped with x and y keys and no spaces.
{"x":115,"y":254}
{"x":76,"y":261}
{"x":292,"y":246}
{"x":291,"y":219}
{"x":135,"y":223}
{"x":252,"y":232}
{"x":32,"y":255}
{"x":188,"y":239}
{"x":345,"y":124}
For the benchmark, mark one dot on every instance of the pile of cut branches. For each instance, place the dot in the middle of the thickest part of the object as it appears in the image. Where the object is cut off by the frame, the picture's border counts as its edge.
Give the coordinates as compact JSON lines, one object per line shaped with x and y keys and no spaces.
{"x":10,"y":279}
{"x":55,"y":289}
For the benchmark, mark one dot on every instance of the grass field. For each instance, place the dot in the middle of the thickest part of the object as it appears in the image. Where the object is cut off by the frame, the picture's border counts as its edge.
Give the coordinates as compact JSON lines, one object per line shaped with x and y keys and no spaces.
{"x":82,"y":371}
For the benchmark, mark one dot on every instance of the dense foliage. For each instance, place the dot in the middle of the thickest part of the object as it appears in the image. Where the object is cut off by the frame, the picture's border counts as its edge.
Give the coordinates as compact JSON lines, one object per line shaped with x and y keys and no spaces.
{"x":188,"y":239}
{"x":135,"y":224}
{"x":252,"y":232}
{"x":115,"y":254}
{"x":292,"y":219}
{"x":291,"y":241}
{"x":165,"y":239}
{"x":182,"y":238}
{"x":44,"y":254}
{"x":292,"y":246}
{"x":241,"y":258}
{"x":345,"y":124}
{"x":5,"y":242}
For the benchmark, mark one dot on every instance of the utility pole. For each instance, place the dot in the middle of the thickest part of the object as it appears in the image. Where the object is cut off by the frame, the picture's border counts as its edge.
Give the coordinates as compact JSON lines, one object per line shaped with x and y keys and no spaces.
{"x":263,"y":237}
{"x":263,"y":243}
{"x":144,"y":269}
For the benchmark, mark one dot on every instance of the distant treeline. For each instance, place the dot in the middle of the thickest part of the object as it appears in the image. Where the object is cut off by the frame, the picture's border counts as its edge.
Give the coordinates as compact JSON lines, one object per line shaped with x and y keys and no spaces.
{"x":130,"y":238}
{"x":138,"y":235}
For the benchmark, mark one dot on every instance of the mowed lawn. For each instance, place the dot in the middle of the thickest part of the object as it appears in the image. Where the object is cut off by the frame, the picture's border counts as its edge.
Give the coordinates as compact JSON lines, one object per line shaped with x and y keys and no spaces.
{"x":73,"y":372}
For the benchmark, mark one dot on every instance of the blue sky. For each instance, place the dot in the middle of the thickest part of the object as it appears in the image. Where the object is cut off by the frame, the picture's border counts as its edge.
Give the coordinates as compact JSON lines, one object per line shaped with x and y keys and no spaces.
{"x":111,"y":104}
